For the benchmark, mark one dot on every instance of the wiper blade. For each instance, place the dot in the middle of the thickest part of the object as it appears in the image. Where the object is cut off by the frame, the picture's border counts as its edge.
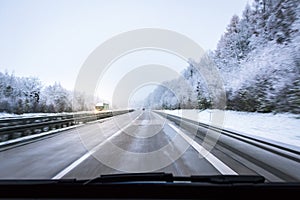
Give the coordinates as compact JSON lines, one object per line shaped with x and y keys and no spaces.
{"x":132,"y":177}
{"x":168,"y":177}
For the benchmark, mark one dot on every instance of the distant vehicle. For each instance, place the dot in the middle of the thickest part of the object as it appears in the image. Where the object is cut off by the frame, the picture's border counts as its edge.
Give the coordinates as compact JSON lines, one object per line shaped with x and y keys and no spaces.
{"x":143,"y":109}
{"x":102,"y":106}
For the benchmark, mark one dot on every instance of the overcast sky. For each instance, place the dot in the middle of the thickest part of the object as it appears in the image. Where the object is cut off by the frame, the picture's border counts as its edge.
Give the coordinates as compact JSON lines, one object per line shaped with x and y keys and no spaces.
{"x":50,"y":39}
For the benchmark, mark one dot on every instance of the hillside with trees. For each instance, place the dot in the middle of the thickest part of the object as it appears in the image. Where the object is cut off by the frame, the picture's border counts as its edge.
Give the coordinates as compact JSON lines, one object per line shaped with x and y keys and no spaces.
{"x":258,"y":58}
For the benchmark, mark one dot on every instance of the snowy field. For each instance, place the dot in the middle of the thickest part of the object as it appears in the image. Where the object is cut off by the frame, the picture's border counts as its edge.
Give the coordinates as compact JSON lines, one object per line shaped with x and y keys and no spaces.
{"x":281,"y":128}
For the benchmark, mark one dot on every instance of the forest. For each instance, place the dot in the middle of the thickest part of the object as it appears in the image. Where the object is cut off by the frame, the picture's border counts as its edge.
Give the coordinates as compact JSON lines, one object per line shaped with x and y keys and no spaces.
{"x":258,"y":58}
{"x":28,"y":95}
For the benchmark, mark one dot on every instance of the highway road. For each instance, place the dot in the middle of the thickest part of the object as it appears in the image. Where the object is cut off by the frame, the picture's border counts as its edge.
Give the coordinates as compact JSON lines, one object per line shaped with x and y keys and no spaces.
{"x":140,"y":141}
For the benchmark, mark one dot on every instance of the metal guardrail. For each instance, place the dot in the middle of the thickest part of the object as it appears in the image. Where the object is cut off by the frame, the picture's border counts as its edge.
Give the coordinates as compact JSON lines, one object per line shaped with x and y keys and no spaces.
{"x":20,"y":127}
{"x":289,"y":156}
{"x":251,"y":140}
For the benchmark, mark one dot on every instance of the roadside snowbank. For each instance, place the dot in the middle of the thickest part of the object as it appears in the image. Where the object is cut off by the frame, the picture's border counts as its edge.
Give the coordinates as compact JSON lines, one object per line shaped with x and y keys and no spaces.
{"x":4,"y":115}
{"x":282,"y":128}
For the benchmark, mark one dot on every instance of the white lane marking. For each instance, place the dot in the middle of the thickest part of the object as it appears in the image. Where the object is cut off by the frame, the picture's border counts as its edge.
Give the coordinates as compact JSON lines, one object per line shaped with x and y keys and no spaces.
{"x":72,"y":166}
{"x":88,"y":154}
{"x":218,"y":164}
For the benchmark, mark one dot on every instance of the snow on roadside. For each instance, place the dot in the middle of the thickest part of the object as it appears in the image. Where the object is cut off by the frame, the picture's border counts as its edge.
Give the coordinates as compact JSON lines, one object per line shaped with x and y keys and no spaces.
{"x":26,"y":115}
{"x":282,"y":128}
{"x":4,"y":115}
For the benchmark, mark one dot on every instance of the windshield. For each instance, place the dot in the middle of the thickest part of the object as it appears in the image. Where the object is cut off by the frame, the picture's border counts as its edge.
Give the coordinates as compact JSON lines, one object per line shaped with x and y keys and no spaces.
{"x":90,"y":88}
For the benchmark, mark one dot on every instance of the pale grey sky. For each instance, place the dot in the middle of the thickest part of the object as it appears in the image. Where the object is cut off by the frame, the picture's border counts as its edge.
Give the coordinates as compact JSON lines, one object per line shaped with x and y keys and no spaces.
{"x":51,"y":39}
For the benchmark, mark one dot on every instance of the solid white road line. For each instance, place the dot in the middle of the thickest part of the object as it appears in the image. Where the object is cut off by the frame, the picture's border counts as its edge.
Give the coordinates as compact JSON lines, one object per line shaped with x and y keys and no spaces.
{"x":88,"y":154}
{"x":218,"y":164}
{"x":72,"y":166}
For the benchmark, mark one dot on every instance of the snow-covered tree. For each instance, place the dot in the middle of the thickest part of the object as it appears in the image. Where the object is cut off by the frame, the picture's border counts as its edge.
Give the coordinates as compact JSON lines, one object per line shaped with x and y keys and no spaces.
{"x":57,"y":97}
{"x":259,"y":60}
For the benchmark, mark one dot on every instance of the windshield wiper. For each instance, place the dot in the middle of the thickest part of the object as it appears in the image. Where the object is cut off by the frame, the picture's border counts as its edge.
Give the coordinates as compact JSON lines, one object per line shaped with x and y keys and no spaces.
{"x":168,"y":177}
